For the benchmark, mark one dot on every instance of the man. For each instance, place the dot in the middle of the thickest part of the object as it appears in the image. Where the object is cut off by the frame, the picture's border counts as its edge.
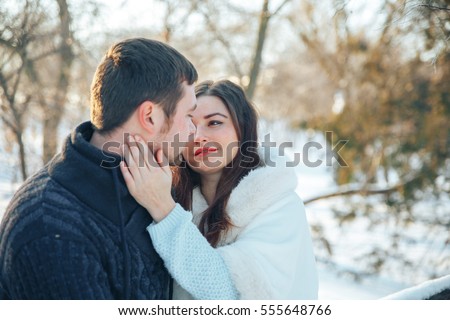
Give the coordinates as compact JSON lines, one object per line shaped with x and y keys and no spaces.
{"x":73,"y":231}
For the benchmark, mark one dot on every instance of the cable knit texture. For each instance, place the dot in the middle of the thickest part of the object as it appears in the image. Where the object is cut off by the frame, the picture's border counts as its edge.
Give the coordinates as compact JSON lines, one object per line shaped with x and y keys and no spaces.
{"x":268,"y":252}
{"x":67,"y":235}
{"x":190,"y":258}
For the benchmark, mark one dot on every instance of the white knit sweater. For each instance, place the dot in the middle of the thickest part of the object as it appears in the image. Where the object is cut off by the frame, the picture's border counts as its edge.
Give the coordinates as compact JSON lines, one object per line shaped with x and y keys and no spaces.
{"x":269,"y":253}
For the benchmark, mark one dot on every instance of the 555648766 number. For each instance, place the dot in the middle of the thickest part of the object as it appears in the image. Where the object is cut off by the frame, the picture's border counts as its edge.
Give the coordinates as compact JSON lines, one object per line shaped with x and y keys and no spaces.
{"x":305,"y":309}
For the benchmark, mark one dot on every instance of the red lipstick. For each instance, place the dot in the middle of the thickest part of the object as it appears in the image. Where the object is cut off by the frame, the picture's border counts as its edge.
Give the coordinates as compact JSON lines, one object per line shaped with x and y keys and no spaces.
{"x":204,"y":151}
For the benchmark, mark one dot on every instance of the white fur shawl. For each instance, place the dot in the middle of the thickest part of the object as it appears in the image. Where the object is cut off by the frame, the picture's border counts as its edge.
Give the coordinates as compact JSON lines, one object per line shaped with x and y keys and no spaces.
{"x":269,"y":251}
{"x":256,"y":192}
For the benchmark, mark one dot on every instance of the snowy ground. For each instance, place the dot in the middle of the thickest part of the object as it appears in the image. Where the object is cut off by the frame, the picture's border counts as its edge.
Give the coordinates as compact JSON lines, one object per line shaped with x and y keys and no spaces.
{"x":333,"y":287}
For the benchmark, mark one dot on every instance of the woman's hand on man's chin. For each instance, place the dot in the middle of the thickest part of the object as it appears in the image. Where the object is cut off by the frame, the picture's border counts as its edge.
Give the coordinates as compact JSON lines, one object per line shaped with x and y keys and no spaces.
{"x":148,"y":178}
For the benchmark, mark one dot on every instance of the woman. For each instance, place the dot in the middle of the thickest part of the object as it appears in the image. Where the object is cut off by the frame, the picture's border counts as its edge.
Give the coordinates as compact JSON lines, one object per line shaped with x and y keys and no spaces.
{"x":247,"y":236}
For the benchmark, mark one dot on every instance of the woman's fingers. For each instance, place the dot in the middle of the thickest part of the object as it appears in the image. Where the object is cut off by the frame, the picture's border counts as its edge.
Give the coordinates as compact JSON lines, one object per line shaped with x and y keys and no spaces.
{"x":163,"y":162}
{"x":138,"y":147}
{"x":132,"y":157}
{"x":148,"y":157}
{"x":135,"y":151}
{"x":142,"y":160}
{"x":129,"y":181}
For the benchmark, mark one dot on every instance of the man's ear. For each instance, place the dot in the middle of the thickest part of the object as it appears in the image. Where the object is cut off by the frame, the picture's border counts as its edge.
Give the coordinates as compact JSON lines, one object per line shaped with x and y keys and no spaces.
{"x":146,"y":112}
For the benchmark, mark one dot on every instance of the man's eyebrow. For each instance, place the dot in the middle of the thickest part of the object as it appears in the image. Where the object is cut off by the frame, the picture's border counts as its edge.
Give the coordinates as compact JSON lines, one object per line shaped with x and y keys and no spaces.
{"x":215,"y":114}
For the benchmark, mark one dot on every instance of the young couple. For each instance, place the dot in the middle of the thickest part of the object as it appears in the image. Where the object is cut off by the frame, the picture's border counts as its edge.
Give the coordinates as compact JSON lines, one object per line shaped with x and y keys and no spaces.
{"x":109,"y":219}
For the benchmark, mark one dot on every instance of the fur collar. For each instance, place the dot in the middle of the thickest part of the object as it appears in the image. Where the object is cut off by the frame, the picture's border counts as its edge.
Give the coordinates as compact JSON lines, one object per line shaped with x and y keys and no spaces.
{"x":258,"y":190}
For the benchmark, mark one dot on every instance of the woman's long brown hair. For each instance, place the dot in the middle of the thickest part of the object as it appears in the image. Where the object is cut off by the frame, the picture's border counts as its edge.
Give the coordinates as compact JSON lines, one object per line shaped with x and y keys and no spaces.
{"x":215,"y":220}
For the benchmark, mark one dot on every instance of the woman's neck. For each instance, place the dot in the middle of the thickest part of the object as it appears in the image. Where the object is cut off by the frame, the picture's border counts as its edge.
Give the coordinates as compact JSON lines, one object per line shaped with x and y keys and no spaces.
{"x":208,"y":185}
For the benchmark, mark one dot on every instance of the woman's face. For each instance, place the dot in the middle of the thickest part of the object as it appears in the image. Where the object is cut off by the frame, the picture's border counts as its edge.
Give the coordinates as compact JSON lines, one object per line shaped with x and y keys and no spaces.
{"x":216,"y":142}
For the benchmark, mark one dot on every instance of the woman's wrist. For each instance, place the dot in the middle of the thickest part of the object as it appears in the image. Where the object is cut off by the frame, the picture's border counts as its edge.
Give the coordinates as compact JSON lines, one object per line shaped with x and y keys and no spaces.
{"x":162,"y":209}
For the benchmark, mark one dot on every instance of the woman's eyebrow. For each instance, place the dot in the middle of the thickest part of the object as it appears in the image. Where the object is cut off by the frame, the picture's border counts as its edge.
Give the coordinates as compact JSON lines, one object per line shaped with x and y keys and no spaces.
{"x":215,"y":114}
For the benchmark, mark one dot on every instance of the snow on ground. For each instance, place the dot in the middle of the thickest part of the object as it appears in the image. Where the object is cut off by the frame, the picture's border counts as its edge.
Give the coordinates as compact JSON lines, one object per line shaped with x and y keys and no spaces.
{"x":5,"y":196}
{"x":334,"y":287}
{"x":7,"y":175}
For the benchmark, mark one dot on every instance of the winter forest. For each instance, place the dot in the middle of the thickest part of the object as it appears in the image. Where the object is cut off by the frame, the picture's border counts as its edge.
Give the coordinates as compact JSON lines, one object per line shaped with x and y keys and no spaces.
{"x":369,"y":80}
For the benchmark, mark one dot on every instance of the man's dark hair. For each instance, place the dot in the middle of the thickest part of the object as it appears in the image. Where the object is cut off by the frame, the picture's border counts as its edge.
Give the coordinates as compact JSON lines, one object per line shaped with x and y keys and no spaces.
{"x":134,"y":71}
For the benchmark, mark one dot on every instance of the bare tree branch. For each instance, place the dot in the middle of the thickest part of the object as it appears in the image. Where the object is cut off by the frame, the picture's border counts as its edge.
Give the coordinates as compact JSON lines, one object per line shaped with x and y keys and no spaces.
{"x":364,"y":190}
{"x":228,"y":47}
{"x":431,"y":7}
{"x":6,"y":43}
{"x":46,"y":54}
{"x":279,"y":8}
{"x":192,"y":8}
{"x":4,"y":86}
{"x":171,"y":7}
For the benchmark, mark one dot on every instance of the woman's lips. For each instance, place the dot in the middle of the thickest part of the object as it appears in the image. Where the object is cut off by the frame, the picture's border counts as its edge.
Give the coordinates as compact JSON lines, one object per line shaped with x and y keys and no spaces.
{"x":204,"y":151}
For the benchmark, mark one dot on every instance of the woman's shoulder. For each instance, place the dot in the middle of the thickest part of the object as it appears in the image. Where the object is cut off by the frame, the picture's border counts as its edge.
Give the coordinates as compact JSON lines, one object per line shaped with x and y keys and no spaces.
{"x":271,"y":184}
{"x":272,"y":179}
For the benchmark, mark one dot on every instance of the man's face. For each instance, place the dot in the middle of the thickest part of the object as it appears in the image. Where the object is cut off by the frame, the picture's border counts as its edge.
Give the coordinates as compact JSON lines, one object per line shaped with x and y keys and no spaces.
{"x":173,"y":141}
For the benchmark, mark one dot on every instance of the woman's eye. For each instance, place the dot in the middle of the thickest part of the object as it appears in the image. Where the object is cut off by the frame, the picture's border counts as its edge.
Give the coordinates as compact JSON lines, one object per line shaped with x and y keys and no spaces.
{"x":214,"y":123}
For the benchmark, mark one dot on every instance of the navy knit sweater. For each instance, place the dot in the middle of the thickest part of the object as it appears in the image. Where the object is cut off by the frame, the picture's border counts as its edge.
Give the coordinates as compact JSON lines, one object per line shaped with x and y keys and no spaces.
{"x":73,"y":231}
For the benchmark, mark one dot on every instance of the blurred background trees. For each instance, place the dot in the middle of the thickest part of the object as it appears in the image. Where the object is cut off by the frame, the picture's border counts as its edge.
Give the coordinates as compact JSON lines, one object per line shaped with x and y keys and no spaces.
{"x":391,"y":102}
{"x":38,"y":52}
{"x":375,"y":73}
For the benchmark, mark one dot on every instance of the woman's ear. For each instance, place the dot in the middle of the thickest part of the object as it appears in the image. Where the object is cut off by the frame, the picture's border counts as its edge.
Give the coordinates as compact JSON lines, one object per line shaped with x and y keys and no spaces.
{"x":146,"y":112}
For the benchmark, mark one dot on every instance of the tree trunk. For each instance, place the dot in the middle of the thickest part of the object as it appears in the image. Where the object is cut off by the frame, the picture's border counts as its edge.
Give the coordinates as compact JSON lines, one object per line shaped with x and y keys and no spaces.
{"x":256,"y":64}
{"x":54,"y":111}
{"x":17,"y":130}
{"x":22,"y":156}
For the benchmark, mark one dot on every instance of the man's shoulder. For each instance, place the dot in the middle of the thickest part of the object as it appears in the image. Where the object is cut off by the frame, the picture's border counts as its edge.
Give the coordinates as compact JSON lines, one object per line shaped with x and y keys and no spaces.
{"x":39,"y":207}
{"x":38,"y":191}
{"x":31,"y":192}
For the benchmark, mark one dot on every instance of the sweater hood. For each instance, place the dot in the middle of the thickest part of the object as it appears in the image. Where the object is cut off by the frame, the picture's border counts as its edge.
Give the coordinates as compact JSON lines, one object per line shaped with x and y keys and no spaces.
{"x":259,"y":189}
{"x":105,"y":192}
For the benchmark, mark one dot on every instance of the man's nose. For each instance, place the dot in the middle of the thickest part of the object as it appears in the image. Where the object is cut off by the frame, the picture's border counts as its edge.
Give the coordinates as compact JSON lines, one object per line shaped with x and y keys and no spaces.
{"x":199,"y":135}
{"x":192,"y":128}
